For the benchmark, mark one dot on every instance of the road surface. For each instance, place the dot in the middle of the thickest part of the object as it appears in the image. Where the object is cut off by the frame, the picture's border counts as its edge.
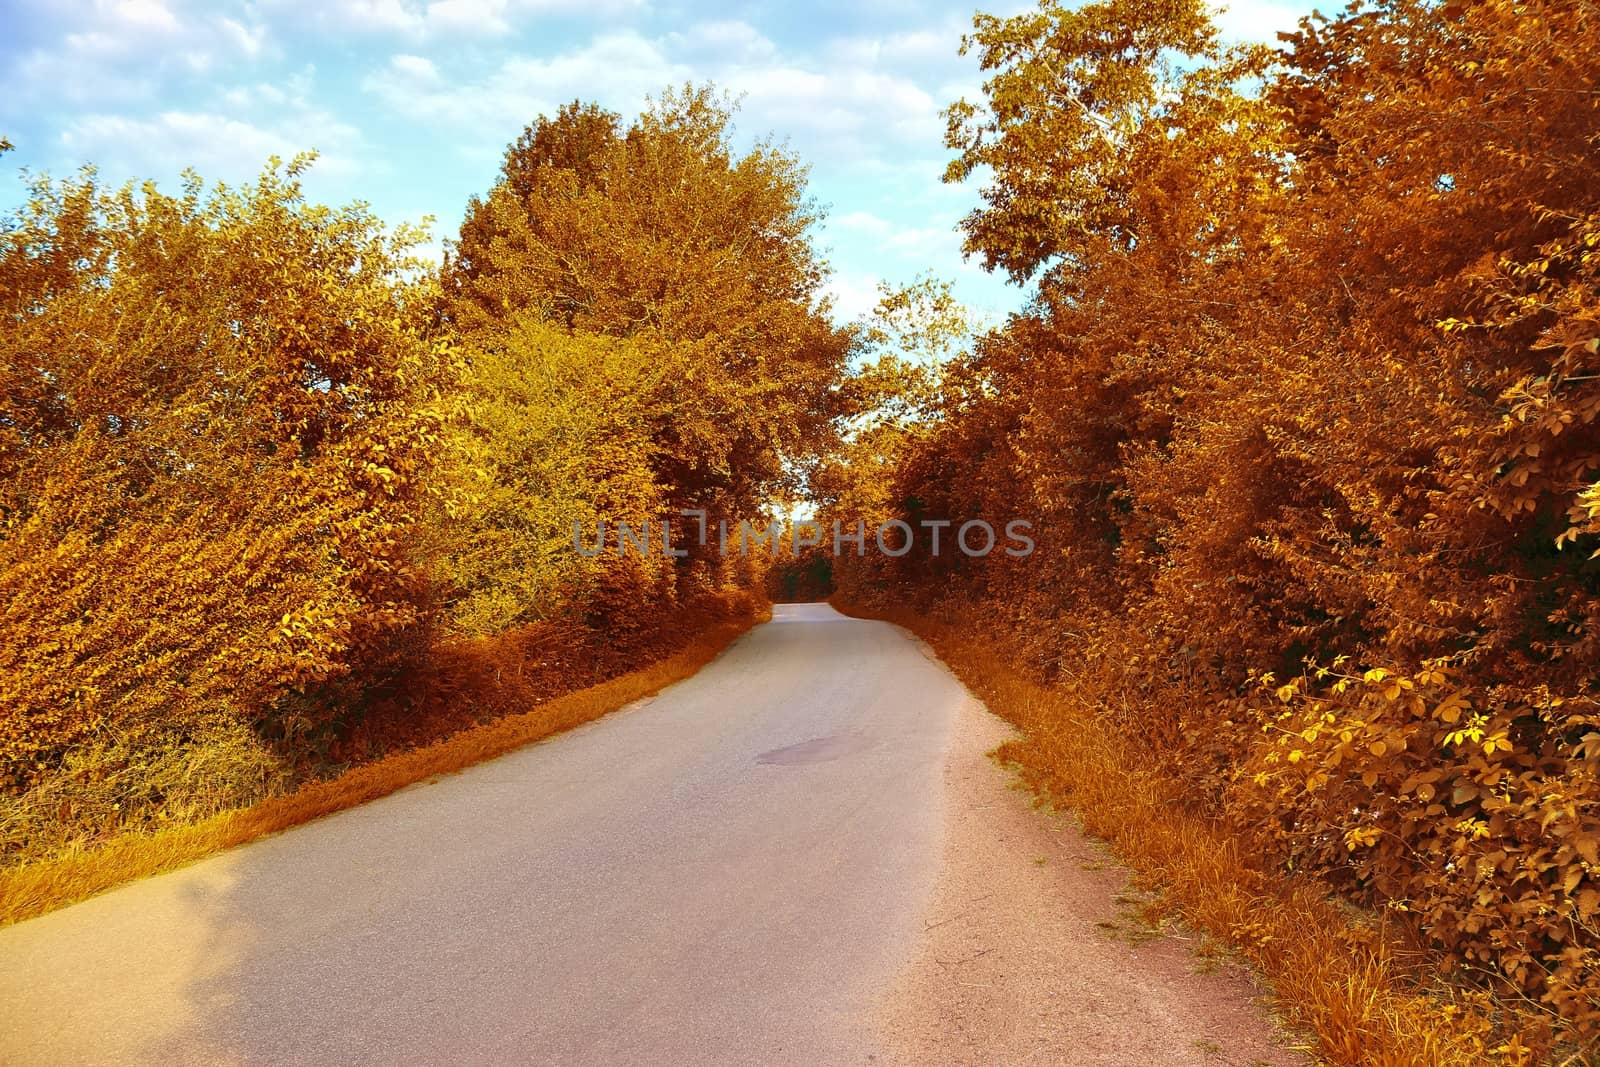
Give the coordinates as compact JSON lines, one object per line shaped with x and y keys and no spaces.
{"x":737,"y":871}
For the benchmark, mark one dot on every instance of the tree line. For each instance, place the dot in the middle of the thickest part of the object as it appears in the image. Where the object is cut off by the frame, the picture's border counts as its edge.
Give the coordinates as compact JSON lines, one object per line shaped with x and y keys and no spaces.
{"x":1303,"y":406}
{"x":277,"y":496}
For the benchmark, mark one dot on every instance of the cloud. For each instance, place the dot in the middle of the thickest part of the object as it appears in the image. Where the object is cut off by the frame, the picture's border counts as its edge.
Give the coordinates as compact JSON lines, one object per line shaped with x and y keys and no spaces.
{"x":417,"y":69}
{"x":863,"y":222}
{"x":248,"y":41}
{"x":894,"y":235}
{"x":721,"y":42}
{"x":898,"y":247}
{"x":431,"y":19}
{"x":1256,"y":20}
{"x":855,"y":294}
{"x":122,"y":50}
{"x":142,"y":14}
{"x":618,"y":68}
{"x":849,"y":106}
{"x":832,"y":110}
{"x":923,"y":48}
{"x":221,"y":147}
{"x":393,"y":16}
{"x":466,"y":17}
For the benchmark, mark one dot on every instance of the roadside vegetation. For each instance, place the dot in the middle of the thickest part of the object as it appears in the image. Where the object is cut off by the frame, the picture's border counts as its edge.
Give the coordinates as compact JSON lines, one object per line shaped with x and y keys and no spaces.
{"x":286,"y":514}
{"x":1304,"y":411}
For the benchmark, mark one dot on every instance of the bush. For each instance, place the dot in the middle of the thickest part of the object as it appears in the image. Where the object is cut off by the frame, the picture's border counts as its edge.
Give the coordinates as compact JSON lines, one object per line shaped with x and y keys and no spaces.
{"x":218,"y":414}
{"x":1312,"y":374}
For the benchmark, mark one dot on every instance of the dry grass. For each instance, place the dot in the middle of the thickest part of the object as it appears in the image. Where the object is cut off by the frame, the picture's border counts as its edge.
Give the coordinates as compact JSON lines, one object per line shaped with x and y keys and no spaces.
{"x":1364,"y":998}
{"x":34,"y":888}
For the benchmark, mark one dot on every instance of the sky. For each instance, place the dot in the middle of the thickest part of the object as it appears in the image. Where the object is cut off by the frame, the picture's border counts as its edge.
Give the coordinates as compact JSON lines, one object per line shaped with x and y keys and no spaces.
{"x":411,"y":103}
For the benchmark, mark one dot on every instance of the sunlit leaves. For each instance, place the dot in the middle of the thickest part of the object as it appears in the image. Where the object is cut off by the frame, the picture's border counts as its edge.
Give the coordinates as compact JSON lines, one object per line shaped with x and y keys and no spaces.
{"x":662,"y":231}
{"x":1311,"y":371}
{"x":219,"y":412}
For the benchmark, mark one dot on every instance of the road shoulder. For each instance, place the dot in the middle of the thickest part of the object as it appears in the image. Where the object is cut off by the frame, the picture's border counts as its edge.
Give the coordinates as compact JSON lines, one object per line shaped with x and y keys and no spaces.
{"x":1029,"y":953}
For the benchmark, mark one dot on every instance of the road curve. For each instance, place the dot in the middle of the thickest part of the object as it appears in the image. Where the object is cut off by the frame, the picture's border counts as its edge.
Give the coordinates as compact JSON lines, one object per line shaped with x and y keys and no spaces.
{"x":728,"y":873}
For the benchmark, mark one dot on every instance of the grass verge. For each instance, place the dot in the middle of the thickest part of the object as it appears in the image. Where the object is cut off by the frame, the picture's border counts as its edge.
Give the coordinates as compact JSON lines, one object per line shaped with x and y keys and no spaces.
{"x":34,"y":888}
{"x":1365,"y":997}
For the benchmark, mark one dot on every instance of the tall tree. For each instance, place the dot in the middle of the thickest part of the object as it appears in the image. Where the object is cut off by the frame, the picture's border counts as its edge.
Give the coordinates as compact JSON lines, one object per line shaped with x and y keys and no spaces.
{"x":1312,"y":372}
{"x":568,"y":149}
{"x":667,"y":232}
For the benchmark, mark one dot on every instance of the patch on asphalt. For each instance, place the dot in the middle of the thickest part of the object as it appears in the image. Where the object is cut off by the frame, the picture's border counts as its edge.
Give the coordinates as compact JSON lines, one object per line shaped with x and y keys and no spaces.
{"x":816,"y":750}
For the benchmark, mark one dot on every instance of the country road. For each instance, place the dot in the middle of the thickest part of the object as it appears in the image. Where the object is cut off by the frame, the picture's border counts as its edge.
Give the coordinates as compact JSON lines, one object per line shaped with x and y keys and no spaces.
{"x":742,"y":870}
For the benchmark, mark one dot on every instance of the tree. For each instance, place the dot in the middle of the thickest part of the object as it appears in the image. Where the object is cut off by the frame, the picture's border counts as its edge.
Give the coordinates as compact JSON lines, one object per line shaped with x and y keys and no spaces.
{"x":567,"y":151}
{"x":217,"y":415}
{"x":912,"y":333}
{"x":561,"y":431}
{"x":1309,"y":375}
{"x":1071,"y":91}
{"x":667,"y":233}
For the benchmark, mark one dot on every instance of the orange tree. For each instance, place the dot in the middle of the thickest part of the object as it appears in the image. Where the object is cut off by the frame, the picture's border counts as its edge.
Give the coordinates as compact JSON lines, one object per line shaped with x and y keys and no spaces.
{"x":1310,"y":373}
{"x":217,"y":412}
{"x":663,"y":232}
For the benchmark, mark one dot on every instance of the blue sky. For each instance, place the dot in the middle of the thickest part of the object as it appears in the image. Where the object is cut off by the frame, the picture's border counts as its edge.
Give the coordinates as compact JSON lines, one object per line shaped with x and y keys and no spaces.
{"x":412,"y":102}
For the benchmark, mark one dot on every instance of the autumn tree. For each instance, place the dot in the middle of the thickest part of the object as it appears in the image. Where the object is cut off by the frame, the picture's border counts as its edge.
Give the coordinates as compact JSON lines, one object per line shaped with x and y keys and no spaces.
{"x":560,"y":430}
{"x":1308,"y":375}
{"x":666,"y":233}
{"x":217,"y":416}
{"x":911,"y":334}
{"x":565,"y":152}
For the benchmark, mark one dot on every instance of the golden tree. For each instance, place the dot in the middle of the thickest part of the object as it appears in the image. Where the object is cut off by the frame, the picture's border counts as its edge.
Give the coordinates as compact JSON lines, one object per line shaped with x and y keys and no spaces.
{"x":219,"y":410}
{"x":666,"y":233}
{"x":1310,"y":373}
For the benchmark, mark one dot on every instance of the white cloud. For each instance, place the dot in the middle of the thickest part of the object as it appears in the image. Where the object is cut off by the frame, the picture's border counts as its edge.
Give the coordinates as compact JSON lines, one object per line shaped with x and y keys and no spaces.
{"x":852,"y":104}
{"x":122,"y":50}
{"x":418,"y":68}
{"x":1256,"y":20}
{"x":932,"y":242}
{"x":248,"y":41}
{"x":854,"y":293}
{"x":922,"y":48}
{"x":139,"y":15}
{"x":620,"y":69}
{"x":833,"y":108}
{"x":925,"y":46}
{"x":893,"y":235}
{"x":221,"y":147}
{"x":905,"y":248}
{"x":429,"y":19}
{"x":722,"y":41}
{"x":863,"y":222}
{"x":466,"y":17}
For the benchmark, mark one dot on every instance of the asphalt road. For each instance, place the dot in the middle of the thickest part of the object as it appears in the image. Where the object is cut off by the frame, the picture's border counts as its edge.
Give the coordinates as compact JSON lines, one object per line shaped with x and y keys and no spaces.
{"x":729,"y":873}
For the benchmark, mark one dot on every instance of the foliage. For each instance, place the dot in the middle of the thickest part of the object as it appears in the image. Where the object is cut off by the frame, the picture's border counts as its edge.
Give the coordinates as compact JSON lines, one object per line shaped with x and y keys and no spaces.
{"x":218,"y":415}
{"x":642,"y":309}
{"x":913,"y":331}
{"x":1309,"y":372}
{"x":275,"y":499}
{"x":1473,"y":816}
{"x":664,"y":233}
{"x":1351,"y":982}
{"x":560,"y":432}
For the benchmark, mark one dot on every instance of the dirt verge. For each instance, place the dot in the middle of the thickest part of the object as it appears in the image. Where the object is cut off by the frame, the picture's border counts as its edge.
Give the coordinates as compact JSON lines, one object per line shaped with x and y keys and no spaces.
{"x":1033,"y":953}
